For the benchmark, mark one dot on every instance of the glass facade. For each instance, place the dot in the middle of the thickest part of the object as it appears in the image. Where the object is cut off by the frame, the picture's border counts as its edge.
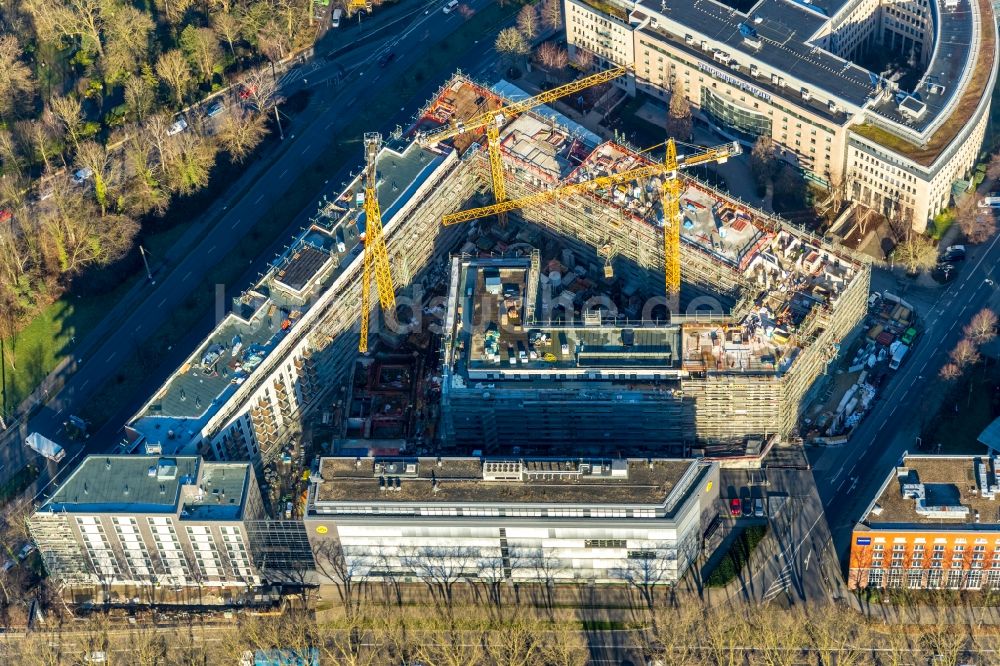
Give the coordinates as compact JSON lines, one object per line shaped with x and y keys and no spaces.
{"x":744,"y":123}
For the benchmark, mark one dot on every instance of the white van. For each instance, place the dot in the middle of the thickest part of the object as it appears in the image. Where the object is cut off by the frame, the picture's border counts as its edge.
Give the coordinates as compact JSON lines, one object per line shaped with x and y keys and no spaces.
{"x":335,"y":21}
{"x":451,"y":6}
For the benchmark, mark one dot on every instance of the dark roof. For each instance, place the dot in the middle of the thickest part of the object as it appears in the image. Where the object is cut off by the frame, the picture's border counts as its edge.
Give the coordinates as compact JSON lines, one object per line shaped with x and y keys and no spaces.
{"x":783,"y":26}
{"x":302,"y":267}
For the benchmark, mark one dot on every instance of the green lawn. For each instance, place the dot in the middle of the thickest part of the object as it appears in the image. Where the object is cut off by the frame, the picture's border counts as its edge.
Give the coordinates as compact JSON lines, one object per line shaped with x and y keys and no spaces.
{"x":380,"y":106}
{"x":739,"y":554}
{"x":967,"y":409}
{"x":17,"y":483}
{"x":42,"y":345}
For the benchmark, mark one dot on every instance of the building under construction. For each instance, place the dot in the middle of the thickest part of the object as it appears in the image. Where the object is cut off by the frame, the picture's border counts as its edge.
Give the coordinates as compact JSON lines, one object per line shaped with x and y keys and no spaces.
{"x":778,"y":304}
{"x":539,"y":351}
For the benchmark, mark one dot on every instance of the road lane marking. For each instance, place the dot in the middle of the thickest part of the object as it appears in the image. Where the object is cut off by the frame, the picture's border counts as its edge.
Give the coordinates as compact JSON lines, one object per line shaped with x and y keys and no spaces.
{"x":211,"y":249}
{"x":257,"y":200}
{"x":184,"y":279}
{"x":161,"y":303}
{"x":111,"y":356}
{"x":236,"y":224}
{"x":282,"y":174}
{"x":84,"y":384}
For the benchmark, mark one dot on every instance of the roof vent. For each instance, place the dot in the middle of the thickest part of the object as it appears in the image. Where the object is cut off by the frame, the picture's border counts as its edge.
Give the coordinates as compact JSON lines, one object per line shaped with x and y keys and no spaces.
{"x":107,"y":463}
{"x":125,"y":491}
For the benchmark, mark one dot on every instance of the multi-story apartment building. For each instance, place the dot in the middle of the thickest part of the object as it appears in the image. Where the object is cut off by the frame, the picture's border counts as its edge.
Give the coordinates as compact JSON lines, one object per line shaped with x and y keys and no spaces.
{"x":147,"y":523}
{"x":934,"y":524}
{"x":784,"y":69}
{"x":451,"y":519}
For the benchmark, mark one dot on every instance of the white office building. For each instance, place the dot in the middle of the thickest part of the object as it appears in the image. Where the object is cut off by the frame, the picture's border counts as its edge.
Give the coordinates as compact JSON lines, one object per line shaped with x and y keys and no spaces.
{"x":453,"y":519}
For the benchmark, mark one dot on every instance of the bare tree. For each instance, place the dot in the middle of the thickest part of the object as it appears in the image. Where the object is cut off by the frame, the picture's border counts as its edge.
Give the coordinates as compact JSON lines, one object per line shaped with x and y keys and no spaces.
{"x":964,"y":354}
{"x":139,"y":97}
{"x":441,"y":568}
{"x":583,"y":59}
{"x":977,"y":224}
{"x":763,"y":160}
{"x":916,"y":253}
{"x":241,"y":132}
{"x":96,"y":157}
{"x":201,"y":46}
{"x":950,"y":372}
{"x":527,"y":21}
{"x":644,"y":571}
{"x":552,"y":56}
{"x":511,"y":45}
{"x":983,"y":327}
{"x":552,"y":17}
{"x":516,"y":642}
{"x":993,"y":167}
{"x":228,"y":27}
{"x":75,"y":235}
{"x":69,"y":111}
{"x":679,"y":113}
{"x":173,"y":69}
{"x":189,"y":161}
{"x":41,"y":135}
{"x":127,"y":37}
{"x":15,"y":77}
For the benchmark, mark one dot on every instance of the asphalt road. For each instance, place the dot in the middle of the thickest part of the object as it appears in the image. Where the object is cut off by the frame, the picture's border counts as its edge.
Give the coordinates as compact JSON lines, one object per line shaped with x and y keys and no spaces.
{"x":848,"y":477}
{"x":331,"y":107}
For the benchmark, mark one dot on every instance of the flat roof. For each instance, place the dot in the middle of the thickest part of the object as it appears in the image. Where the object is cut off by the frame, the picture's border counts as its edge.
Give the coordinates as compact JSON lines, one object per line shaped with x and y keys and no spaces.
{"x":264,"y":314}
{"x":461,"y":480}
{"x":951,"y":490}
{"x":784,"y":28}
{"x":302,"y":267}
{"x":187,"y":485}
{"x":220,"y":492}
{"x":110,"y":484}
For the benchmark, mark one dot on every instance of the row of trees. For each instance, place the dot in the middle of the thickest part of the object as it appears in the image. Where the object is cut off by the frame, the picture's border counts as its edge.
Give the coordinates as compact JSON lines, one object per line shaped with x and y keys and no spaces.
{"x":514,"y":43}
{"x":980,"y":331}
{"x":823,"y":635}
{"x":93,"y":84}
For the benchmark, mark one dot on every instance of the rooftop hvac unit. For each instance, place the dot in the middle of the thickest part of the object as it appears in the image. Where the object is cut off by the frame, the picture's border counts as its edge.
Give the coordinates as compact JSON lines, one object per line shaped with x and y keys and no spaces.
{"x":806,"y":95}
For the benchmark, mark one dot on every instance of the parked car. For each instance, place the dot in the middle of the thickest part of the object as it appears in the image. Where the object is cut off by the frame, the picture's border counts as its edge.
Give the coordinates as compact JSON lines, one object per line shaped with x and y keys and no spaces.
{"x":953,"y":253}
{"x":7,"y":565}
{"x":6,"y":215}
{"x":758,"y":507}
{"x":215,"y":109}
{"x":735,"y":507}
{"x":386,"y":59}
{"x":177,"y":127}
{"x":96,"y":657}
{"x":747,"y":505}
{"x":451,"y":6}
{"x":26,"y":549}
{"x":81,"y":176}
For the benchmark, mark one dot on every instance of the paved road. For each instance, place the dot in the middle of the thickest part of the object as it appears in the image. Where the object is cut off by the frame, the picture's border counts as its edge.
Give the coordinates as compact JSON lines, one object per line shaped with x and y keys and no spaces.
{"x":331,"y":107}
{"x":849,"y":477}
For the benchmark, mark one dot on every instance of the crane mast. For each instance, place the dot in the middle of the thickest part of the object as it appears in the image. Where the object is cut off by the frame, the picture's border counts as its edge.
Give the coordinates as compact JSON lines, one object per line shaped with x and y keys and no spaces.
{"x":493,"y":122}
{"x":376,"y":259}
{"x":670,"y":197}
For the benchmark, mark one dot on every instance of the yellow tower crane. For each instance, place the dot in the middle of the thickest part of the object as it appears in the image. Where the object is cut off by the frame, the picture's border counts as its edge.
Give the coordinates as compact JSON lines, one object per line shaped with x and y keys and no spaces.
{"x":376,"y":256}
{"x":668,"y":170}
{"x":493,"y":122}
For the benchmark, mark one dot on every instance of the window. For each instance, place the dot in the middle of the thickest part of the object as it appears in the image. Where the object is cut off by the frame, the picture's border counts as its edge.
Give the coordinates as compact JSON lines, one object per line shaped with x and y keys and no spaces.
{"x":875,"y":577}
{"x":641,"y":555}
{"x":604,"y":543}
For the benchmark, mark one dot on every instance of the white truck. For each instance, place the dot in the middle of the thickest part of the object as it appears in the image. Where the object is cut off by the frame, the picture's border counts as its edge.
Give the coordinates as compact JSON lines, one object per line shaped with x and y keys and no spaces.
{"x":45,"y":447}
{"x":898,"y":353}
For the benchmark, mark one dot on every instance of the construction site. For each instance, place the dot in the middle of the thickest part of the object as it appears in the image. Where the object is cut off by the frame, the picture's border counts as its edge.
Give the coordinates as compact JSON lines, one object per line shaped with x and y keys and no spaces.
{"x":717,"y":347}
